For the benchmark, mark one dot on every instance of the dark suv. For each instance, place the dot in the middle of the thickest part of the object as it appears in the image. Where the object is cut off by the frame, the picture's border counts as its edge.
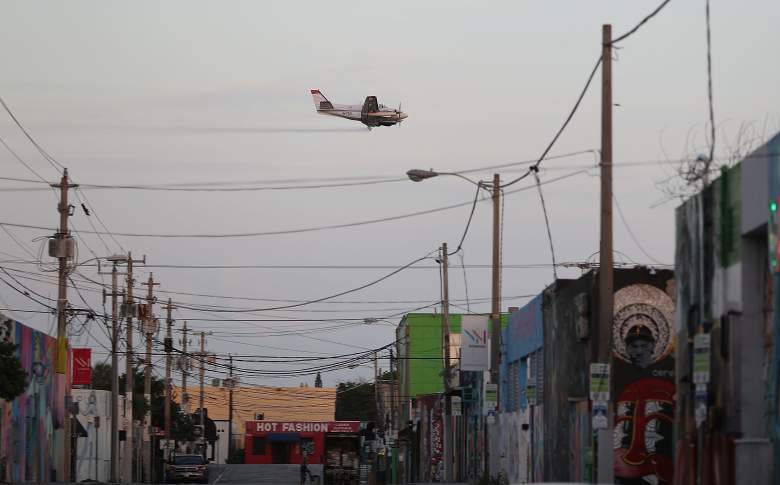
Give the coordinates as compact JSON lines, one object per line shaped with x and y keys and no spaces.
{"x":187,"y":468}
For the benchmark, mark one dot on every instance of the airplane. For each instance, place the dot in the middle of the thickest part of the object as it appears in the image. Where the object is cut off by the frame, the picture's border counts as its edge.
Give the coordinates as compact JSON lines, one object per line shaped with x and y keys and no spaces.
{"x":371,"y":114}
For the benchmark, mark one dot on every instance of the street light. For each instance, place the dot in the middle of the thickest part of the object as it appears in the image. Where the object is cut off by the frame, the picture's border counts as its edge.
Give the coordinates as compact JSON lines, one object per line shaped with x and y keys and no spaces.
{"x":417,"y":175}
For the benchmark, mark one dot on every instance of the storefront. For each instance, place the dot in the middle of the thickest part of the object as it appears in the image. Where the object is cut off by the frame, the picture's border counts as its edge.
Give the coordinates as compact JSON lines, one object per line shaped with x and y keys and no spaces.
{"x":331,"y":443}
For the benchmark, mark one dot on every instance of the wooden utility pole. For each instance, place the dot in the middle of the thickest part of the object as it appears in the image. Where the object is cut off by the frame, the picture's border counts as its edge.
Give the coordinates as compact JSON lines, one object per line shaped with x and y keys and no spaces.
{"x":168,"y":348}
{"x":377,"y":411}
{"x":114,"y":475}
{"x":495,"y":310}
{"x":230,"y":409}
{"x":184,"y":363}
{"x":445,"y":312}
{"x":63,"y":250}
{"x":149,"y":328}
{"x":200,"y":399}
{"x":605,"y":468}
{"x":127,"y":475}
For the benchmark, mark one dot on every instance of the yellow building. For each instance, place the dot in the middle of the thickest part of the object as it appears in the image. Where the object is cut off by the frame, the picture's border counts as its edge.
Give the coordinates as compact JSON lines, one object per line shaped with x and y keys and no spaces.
{"x":274,"y":403}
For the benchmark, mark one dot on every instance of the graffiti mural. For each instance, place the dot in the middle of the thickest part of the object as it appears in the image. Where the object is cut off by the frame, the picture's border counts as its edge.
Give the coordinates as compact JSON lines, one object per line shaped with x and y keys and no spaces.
{"x":92,"y":451}
{"x":643,"y":382}
{"x":28,"y":424}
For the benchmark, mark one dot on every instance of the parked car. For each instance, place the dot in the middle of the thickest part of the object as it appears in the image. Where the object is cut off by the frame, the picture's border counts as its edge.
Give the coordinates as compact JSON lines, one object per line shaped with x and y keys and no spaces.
{"x":187,"y":468}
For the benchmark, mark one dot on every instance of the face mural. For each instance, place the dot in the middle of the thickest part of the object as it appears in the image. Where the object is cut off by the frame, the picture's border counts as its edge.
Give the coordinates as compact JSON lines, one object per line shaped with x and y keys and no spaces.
{"x":643,"y":381}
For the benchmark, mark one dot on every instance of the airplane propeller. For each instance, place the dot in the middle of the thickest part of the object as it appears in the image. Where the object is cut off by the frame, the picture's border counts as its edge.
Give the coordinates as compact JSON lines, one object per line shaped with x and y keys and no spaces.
{"x":398,"y":112}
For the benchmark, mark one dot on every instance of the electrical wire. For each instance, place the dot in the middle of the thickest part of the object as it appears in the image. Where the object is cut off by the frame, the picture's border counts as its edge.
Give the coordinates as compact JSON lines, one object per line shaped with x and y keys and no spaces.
{"x":709,"y":91}
{"x":54,"y":163}
{"x":562,"y":128}
{"x":329,"y":297}
{"x":631,"y":232}
{"x":641,"y":23}
{"x":305,"y":229}
{"x":547,"y":224}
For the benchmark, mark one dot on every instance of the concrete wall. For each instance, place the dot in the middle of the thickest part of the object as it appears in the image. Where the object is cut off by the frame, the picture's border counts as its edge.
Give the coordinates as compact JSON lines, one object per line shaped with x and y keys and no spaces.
{"x":93,"y":452}
{"x":566,"y":363}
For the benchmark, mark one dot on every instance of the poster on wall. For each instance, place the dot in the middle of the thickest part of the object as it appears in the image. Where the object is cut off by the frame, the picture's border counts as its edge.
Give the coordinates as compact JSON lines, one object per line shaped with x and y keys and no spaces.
{"x":474,"y":354}
{"x":643,"y":384}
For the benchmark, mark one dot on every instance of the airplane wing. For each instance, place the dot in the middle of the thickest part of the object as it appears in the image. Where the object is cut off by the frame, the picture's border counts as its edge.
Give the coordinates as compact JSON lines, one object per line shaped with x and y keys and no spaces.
{"x":371,"y":105}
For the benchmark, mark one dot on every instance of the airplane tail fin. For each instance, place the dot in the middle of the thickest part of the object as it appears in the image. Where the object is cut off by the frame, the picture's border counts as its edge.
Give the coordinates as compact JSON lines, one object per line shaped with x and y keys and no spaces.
{"x":320,"y":101}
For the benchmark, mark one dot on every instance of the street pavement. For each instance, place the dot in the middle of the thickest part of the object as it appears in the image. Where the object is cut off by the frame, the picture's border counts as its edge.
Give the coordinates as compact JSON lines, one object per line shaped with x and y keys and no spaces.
{"x":258,"y":474}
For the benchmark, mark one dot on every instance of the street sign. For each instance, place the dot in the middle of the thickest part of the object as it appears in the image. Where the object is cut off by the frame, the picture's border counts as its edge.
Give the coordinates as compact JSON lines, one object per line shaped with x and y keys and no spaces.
{"x":599,"y":415}
{"x":457,"y":406}
{"x":474,"y":346}
{"x":82,"y":367}
{"x":530,"y":390}
{"x":701,"y":358}
{"x":491,"y":396}
{"x":491,"y":417}
{"x":700,"y":404}
{"x":599,"y":382}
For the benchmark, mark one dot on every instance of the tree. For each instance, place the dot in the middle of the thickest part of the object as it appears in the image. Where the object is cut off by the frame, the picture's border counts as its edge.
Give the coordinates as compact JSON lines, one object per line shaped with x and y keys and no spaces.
{"x":181,"y":427}
{"x":355,"y":401}
{"x":101,"y":377}
{"x":318,"y":380}
{"x":13,"y":378}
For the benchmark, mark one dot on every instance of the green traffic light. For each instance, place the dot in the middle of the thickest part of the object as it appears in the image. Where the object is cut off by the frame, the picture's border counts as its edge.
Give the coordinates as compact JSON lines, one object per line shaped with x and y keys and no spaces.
{"x":773,"y":206}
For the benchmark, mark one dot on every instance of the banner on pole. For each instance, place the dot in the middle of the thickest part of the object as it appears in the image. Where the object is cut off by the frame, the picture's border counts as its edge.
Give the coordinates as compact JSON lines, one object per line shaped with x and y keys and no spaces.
{"x":82,"y":367}
{"x":474,"y":351}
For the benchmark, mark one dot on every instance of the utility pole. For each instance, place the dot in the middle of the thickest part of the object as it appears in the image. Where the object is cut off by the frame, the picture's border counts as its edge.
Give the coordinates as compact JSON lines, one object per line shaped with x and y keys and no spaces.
{"x":200,"y":400}
{"x":376,"y":390}
{"x":495,"y":310}
{"x":605,"y":468}
{"x":168,"y":348}
{"x":185,"y":397}
{"x":114,"y":378}
{"x":230,"y":409}
{"x":149,"y":328}
{"x":62,"y":248}
{"x":445,"y":311}
{"x":116,"y":259}
{"x":129,"y":306}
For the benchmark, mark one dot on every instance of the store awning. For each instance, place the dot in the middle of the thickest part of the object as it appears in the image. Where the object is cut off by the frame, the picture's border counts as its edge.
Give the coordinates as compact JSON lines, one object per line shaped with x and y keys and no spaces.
{"x":283,"y":437}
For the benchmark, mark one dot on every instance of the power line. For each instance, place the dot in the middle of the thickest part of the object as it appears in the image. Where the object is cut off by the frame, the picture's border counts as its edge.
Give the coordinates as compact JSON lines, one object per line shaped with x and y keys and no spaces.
{"x":641,"y":23}
{"x":563,"y":126}
{"x":336,"y":295}
{"x":299,"y":230}
{"x":547,"y":224}
{"x":54,"y":163}
{"x":631,"y":232}
{"x":709,"y":91}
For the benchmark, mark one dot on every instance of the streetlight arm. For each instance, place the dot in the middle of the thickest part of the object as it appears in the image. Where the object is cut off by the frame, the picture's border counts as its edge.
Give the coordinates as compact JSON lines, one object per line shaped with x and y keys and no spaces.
{"x":417,"y":175}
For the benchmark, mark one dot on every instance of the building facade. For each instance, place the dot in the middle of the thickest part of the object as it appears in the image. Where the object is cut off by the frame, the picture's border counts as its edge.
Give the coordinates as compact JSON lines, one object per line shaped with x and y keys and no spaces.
{"x":31,"y":425}
{"x":546,"y":417}
{"x":727,"y":298}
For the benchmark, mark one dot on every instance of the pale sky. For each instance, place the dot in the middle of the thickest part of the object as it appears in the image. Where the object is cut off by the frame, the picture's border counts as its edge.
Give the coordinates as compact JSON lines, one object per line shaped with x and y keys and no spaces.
{"x":175,"y":92}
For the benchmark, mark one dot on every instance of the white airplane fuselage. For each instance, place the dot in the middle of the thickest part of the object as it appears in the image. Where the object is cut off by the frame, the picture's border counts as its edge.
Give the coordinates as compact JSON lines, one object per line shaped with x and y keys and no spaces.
{"x":371,"y":113}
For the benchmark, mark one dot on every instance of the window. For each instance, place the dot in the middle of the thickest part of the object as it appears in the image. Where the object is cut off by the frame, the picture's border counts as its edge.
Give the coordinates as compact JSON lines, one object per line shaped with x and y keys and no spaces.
{"x":187,"y":460}
{"x":258,"y":446}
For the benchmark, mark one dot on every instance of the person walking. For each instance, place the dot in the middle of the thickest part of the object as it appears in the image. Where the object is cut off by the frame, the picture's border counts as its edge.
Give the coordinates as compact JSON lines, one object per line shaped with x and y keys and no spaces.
{"x":305,"y":469}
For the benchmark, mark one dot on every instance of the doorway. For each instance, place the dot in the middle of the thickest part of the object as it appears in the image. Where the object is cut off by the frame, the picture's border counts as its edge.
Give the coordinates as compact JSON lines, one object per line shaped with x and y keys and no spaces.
{"x":280,"y":453}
